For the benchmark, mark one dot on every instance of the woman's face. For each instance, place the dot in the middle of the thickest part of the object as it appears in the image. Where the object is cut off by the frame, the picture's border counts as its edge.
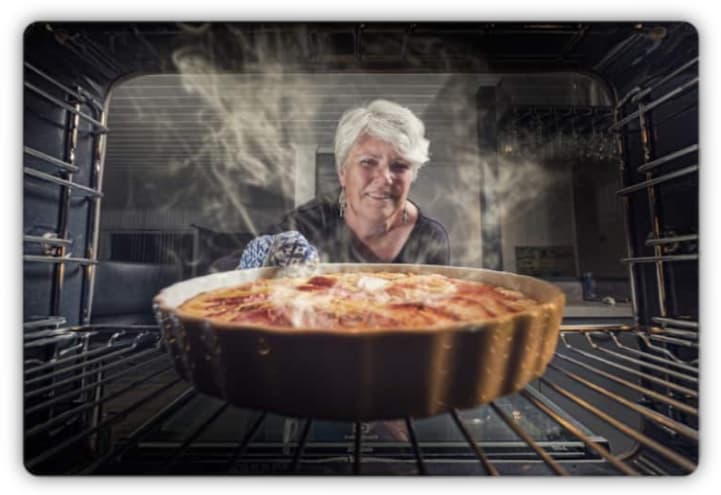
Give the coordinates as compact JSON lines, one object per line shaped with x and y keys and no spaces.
{"x":376,"y":179}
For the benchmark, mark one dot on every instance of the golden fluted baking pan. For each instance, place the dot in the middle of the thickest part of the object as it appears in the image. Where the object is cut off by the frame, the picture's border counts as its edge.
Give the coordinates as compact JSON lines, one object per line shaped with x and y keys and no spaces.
{"x":366,"y":375}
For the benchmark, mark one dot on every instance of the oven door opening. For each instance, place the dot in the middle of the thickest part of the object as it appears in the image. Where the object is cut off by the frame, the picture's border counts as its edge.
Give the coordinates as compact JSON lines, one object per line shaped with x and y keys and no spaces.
{"x":164,"y":168}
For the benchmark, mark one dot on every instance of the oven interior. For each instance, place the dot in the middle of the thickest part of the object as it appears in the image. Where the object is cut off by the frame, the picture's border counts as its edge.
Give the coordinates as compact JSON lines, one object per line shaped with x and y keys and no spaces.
{"x":565,"y":151}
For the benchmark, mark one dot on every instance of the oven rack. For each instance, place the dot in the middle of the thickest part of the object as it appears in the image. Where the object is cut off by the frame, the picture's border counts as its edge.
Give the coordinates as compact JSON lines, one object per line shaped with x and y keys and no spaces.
{"x":101,"y":393}
{"x":83,"y":120}
{"x":636,"y":108}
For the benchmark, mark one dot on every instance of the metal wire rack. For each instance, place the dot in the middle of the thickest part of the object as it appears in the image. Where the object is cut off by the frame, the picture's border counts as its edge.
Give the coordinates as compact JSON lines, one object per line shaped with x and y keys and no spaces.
{"x":106,"y":394}
{"x":84,"y":117}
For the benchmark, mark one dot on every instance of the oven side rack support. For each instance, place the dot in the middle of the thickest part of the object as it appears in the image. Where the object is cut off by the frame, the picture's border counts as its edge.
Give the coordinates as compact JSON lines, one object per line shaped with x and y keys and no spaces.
{"x":59,"y":241}
{"x":639,"y":97}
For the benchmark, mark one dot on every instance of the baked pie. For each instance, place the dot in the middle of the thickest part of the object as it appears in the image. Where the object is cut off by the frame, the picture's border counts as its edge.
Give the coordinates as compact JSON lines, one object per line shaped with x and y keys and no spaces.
{"x":360,"y":342}
{"x":357,"y":301}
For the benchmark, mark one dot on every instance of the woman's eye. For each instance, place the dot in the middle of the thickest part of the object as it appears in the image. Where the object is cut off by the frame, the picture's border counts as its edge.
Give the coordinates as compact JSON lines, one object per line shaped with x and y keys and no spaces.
{"x":400,"y":167}
{"x":366,"y":162}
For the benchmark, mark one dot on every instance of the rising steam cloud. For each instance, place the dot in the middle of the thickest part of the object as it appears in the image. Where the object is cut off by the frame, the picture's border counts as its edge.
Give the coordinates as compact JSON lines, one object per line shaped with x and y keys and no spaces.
{"x":245,"y":132}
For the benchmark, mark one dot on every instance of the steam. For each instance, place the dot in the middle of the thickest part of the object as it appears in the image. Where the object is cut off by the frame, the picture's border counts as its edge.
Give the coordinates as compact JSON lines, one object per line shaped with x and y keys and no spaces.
{"x":301,"y":308}
{"x":241,"y":142}
{"x":244,"y":133}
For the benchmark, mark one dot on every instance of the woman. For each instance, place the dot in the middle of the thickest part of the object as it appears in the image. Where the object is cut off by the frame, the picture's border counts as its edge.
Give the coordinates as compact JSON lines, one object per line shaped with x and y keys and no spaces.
{"x":379,"y":150}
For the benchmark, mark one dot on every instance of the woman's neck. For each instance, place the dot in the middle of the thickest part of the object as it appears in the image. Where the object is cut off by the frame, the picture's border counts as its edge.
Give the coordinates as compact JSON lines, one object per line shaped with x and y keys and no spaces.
{"x":369,"y":231}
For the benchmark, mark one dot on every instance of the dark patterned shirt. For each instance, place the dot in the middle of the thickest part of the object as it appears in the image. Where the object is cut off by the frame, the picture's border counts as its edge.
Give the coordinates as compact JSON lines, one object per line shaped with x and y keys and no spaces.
{"x":319,"y":221}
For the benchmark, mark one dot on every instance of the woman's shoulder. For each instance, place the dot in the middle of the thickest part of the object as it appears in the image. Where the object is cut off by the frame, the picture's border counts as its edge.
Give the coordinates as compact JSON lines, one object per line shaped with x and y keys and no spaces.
{"x":428,"y":243}
{"x":429,"y":225}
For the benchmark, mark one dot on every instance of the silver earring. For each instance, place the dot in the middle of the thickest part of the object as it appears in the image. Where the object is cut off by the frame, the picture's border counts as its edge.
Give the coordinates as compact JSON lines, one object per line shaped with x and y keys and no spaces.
{"x":342,"y":202}
{"x":405,"y":214}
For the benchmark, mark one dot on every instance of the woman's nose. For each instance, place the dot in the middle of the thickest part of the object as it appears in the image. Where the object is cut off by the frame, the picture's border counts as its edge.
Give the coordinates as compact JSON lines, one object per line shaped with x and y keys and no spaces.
{"x":384,"y":171}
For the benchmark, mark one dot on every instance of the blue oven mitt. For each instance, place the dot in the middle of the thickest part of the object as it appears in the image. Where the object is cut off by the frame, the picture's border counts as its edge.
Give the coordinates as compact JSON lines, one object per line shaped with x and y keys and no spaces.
{"x":284,"y":249}
{"x":255,"y":252}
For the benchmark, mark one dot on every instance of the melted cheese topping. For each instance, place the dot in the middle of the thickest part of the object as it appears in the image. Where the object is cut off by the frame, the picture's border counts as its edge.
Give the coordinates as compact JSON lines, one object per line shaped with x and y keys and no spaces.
{"x":358,"y":301}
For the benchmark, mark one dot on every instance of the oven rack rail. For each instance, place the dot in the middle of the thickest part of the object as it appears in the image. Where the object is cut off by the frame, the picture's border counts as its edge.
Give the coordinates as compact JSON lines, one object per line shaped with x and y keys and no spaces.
{"x":84,"y":118}
{"x":636,"y":108}
{"x":124,"y":358}
{"x":80,"y":95}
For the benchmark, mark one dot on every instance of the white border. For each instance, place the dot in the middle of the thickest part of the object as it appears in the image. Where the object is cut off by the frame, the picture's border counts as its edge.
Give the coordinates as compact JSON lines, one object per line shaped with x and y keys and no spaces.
{"x":17,"y":14}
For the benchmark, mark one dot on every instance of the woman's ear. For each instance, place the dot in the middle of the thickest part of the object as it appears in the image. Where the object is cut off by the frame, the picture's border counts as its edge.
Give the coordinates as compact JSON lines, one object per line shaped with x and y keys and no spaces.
{"x":341,"y":176}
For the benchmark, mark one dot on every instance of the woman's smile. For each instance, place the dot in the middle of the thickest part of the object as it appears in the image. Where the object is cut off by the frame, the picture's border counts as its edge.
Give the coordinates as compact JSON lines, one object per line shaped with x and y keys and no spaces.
{"x":380,"y":196}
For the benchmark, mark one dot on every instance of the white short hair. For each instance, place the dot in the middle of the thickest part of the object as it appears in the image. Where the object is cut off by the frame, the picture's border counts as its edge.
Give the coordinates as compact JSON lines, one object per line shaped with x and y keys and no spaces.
{"x":384,"y":120}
